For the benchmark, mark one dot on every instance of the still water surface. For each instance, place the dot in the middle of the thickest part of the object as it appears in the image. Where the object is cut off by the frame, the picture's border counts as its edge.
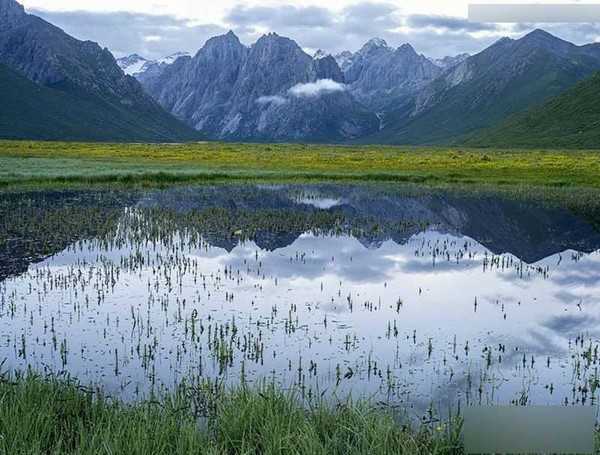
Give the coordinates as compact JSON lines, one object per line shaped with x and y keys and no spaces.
{"x":409,"y":298}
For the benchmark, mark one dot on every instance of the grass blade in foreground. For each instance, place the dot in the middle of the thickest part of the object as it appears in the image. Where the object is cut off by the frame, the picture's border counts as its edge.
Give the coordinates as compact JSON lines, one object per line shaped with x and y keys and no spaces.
{"x":52,"y":416}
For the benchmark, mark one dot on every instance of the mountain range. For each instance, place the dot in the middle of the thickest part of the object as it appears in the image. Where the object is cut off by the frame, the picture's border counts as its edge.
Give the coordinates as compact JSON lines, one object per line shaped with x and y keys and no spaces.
{"x":57,"y":87}
{"x":54,"y":86}
{"x":271,"y":91}
{"x":508,"y":77}
{"x":416,"y":99}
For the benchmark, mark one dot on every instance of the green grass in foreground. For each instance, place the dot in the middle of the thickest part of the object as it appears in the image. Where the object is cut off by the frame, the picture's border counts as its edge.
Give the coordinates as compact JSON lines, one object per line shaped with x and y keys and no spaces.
{"x":52,"y":417}
{"x":58,"y":163}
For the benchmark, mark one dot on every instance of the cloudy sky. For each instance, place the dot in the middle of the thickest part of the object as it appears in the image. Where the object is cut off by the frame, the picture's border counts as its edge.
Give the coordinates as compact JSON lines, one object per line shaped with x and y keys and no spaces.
{"x":155,"y":28}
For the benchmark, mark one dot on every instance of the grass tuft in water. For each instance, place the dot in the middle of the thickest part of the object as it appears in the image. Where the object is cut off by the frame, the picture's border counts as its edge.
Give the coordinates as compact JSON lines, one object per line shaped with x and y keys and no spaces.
{"x":52,"y":416}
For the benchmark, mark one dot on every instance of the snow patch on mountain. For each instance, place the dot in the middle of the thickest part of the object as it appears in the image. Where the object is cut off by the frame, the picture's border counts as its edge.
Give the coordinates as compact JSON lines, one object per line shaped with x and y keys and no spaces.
{"x":134,"y":64}
{"x":170,"y":59}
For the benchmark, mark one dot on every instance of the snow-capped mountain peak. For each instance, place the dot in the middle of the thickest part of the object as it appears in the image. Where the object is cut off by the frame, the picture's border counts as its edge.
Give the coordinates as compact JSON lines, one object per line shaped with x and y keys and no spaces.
{"x":170,"y":59}
{"x":372,"y":44}
{"x":135,"y":64}
{"x":132,"y":64}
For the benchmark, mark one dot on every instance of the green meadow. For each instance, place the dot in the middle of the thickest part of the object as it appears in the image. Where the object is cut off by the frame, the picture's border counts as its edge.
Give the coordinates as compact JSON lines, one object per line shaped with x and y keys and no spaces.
{"x":27,"y":163}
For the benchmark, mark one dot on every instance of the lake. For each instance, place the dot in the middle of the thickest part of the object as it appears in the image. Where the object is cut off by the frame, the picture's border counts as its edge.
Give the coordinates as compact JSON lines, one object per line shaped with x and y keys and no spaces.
{"x":415,"y":298}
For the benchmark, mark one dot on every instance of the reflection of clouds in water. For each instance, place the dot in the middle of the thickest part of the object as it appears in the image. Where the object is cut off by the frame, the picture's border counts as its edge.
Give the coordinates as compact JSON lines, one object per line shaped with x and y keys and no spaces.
{"x":570,"y":325}
{"x":589,"y":278}
{"x":391,"y":271}
{"x":333,"y":308}
{"x":427,"y":265}
{"x":356,"y":289}
{"x":533,"y":341}
{"x":498,"y":298}
{"x":320,"y":203}
{"x":515,"y":278}
{"x":575,"y":297}
{"x":540,"y":343}
{"x":324,"y":255}
{"x":584,"y":271}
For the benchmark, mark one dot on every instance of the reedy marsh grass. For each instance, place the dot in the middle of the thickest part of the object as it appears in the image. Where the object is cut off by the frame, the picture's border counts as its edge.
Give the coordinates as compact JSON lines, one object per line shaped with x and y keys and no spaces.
{"x":49,"y":415}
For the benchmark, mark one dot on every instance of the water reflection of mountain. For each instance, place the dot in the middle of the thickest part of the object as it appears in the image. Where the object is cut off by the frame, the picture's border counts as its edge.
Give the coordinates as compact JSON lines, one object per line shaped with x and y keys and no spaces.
{"x":528,"y":230}
{"x":39,"y":224}
{"x":36,"y":225}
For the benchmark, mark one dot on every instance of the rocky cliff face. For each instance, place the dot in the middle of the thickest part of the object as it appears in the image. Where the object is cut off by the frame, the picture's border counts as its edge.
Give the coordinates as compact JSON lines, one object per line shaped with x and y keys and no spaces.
{"x":379,"y":75}
{"x":450,"y":61}
{"x":198,"y":90}
{"x":49,"y":57}
{"x":272,"y":90}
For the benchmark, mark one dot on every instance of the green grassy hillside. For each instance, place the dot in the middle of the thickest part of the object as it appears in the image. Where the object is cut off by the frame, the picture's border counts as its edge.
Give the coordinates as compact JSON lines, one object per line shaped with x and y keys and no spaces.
{"x":507,"y":78}
{"x":570,"y":120}
{"x":31,"y":111}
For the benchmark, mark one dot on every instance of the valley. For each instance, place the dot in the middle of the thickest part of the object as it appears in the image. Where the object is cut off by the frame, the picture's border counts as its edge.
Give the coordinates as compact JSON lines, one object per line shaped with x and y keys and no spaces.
{"x":326,"y":239}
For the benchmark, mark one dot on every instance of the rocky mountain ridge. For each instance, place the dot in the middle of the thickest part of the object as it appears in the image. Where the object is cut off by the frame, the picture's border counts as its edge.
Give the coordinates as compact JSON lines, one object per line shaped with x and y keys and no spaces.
{"x":271,"y":90}
{"x":85,"y":72}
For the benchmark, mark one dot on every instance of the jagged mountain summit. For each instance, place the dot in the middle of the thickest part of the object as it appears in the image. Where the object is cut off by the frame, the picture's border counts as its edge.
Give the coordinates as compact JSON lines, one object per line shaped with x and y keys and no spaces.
{"x":109,"y":105}
{"x":271,"y":90}
{"x":231,"y":91}
{"x":379,"y":75}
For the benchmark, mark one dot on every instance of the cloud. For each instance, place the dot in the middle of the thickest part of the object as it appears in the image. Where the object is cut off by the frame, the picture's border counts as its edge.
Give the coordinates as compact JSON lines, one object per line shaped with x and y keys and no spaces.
{"x":350,"y":27}
{"x":312,"y":27}
{"x":317,"y":88}
{"x":370,"y":18}
{"x":448,"y":23}
{"x":124,"y":33}
{"x":152,"y":38}
{"x":275,"y":100}
{"x":281,"y":16}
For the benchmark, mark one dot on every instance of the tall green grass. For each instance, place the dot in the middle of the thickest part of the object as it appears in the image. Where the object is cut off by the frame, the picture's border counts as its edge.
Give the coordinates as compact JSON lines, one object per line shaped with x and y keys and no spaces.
{"x":61,"y":163}
{"x":48,"y":416}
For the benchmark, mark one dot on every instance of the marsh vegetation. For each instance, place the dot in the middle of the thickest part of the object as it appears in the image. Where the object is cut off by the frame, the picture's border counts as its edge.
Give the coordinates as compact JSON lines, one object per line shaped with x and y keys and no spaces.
{"x":319,"y":297}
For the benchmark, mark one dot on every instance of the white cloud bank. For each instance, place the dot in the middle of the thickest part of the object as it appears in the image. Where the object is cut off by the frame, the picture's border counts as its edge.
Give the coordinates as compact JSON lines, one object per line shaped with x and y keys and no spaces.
{"x":317,"y":88}
{"x":276,"y":100}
